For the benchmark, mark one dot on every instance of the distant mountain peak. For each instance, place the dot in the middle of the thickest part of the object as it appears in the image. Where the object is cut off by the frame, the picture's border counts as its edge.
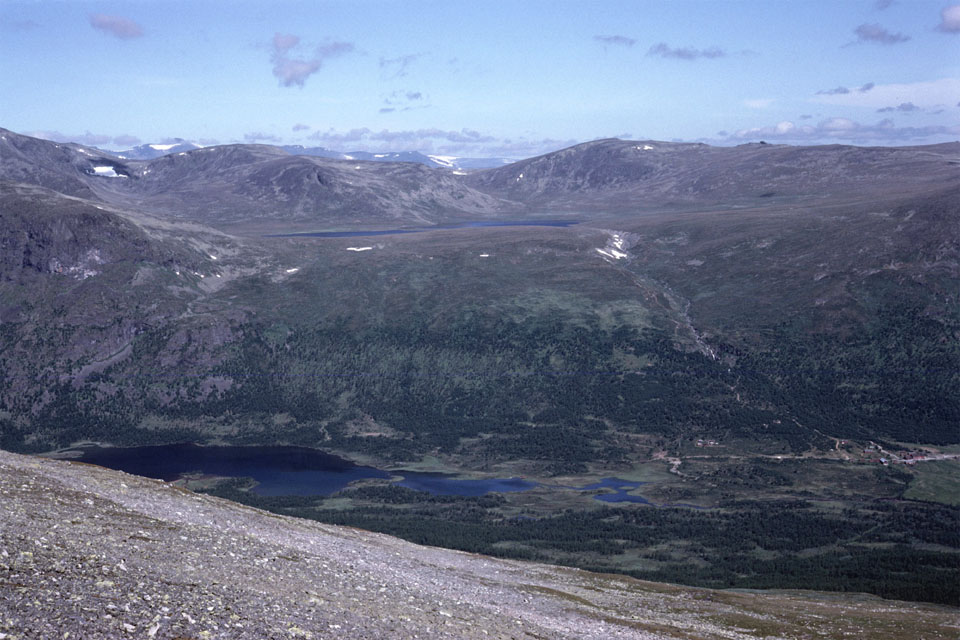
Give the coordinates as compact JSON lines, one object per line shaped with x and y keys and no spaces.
{"x":153,"y":150}
{"x":435,"y":161}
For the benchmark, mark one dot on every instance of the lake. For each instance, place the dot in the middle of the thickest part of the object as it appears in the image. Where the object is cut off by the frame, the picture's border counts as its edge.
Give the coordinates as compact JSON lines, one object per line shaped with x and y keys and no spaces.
{"x":279,"y":470}
{"x":298,"y":471}
{"x":301,"y":471}
{"x":443,"y":485}
{"x":462,"y":225}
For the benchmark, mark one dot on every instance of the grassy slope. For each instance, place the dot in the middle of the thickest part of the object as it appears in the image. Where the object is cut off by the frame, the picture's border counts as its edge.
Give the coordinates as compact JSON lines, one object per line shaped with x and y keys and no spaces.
{"x":422,"y":336}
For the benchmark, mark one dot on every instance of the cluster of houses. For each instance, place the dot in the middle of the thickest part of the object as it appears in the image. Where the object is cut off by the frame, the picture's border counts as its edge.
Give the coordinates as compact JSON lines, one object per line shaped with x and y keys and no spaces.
{"x":903,"y":457}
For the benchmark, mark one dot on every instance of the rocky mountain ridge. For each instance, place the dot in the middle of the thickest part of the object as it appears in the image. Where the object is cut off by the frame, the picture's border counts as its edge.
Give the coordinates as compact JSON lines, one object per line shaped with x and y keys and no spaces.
{"x":624,"y":175}
{"x":453,"y":163}
{"x":256,"y":186}
{"x":173,"y":146}
{"x":253,"y":185}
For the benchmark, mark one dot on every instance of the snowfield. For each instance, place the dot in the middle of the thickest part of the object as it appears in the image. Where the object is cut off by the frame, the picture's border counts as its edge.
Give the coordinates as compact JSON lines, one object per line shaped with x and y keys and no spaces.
{"x":107,"y":172}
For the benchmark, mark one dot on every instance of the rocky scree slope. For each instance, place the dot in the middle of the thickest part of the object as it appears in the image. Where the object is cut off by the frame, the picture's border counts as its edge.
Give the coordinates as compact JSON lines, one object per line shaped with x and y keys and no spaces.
{"x":92,"y":553}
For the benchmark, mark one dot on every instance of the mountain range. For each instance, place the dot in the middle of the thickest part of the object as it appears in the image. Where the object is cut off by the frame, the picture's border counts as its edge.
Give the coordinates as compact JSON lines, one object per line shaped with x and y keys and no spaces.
{"x":455,"y":163}
{"x":679,"y":239}
{"x":155,"y":150}
{"x":746,"y":330}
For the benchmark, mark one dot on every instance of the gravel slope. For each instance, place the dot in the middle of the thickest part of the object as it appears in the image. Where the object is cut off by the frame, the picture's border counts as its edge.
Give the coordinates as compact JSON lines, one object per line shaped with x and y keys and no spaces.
{"x":90,"y":553}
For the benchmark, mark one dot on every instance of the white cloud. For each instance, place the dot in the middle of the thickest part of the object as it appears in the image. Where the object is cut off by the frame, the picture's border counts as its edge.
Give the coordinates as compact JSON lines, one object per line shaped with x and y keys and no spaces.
{"x":663,"y":50}
{"x":950,"y":19}
{"x":258,"y":136}
{"x":837,"y":125}
{"x":905,"y":107}
{"x":922,"y":94}
{"x":841,"y":90}
{"x":876,"y":33}
{"x":759,"y":103}
{"x":295,"y":71}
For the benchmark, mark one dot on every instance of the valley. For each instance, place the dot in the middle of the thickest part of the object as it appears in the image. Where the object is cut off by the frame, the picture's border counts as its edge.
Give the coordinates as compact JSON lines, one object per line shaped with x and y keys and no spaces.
{"x":747,"y":331}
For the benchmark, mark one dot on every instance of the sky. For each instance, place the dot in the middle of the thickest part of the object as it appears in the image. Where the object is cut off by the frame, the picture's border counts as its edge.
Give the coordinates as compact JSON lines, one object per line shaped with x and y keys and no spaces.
{"x":482,"y":78}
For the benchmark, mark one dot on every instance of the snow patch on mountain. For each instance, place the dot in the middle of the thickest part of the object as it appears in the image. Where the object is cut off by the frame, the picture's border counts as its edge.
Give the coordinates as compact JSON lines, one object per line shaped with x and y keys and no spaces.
{"x":616,"y":247}
{"x":445,"y":161}
{"x":107,"y":172}
{"x":154,"y":150}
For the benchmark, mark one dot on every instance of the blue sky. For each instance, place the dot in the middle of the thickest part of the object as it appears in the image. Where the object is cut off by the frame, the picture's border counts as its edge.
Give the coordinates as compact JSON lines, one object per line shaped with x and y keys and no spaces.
{"x":479,"y":78}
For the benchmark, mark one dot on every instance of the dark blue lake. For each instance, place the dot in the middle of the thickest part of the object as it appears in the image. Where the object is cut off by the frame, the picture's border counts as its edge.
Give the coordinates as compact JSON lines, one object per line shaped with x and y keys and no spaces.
{"x":279,"y":471}
{"x":442,"y":485}
{"x":301,"y":471}
{"x":462,"y":225}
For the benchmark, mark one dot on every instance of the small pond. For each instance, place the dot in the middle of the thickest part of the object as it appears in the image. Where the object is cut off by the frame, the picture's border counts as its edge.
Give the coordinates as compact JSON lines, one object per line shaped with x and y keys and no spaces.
{"x":620,"y":490}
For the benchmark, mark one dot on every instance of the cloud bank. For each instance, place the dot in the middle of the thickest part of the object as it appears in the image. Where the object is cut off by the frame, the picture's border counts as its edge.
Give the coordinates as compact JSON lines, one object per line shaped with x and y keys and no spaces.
{"x":462,"y":142}
{"x":92,"y":139}
{"x":844,"y":129}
